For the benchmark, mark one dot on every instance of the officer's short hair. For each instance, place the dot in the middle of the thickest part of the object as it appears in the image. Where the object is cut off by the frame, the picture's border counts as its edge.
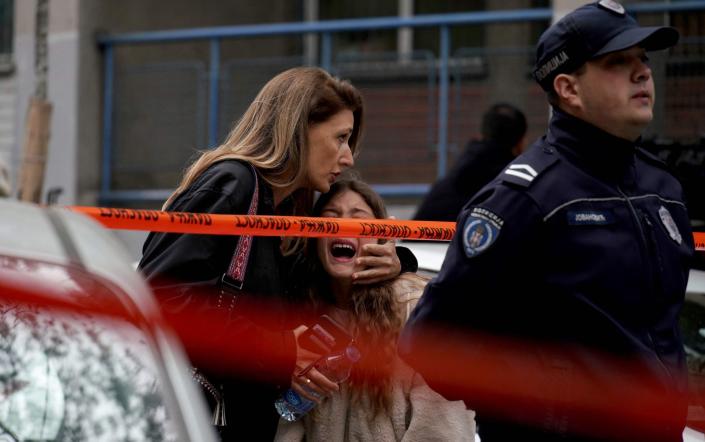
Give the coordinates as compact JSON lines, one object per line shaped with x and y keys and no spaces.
{"x":503,"y":124}
{"x":589,"y":32}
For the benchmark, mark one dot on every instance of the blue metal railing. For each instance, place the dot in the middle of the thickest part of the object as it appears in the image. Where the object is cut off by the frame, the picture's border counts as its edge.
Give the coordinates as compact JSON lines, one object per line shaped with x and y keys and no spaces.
{"x":325,"y":29}
{"x":105,"y":179}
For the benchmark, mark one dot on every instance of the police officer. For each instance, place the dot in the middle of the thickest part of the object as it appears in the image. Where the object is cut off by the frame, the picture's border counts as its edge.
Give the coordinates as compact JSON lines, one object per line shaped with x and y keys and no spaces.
{"x":571,"y":266}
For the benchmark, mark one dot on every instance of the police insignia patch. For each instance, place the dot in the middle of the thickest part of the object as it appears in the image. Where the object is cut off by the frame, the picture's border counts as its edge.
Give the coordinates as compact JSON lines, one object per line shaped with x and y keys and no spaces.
{"x":481,"y":229}
{"x":670,"y":225}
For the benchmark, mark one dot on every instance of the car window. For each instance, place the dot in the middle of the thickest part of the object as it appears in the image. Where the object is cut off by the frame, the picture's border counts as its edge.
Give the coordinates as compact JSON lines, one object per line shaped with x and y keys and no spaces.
{"x":72,"y":376}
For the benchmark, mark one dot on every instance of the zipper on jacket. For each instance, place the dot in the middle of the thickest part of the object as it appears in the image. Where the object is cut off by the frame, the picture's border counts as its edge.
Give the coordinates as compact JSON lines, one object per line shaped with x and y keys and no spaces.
{"x":643,"y":244}
{"x":657,"y":270}
{"x":653,"y":277}
{"x":657,"y":266}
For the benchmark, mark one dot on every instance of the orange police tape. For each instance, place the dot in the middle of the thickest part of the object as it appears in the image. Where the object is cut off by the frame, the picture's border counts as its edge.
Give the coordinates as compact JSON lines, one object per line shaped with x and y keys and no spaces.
{"x":699,"y":241}
{"x":216,"y":224}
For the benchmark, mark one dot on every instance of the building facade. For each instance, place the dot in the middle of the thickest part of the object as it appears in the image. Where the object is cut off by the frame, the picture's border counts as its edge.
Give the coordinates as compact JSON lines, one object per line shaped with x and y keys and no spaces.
{"x":161,"y":98}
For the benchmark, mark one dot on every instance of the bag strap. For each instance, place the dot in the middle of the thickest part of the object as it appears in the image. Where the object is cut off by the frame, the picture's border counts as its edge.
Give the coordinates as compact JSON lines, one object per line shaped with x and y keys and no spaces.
{"x":235,"y":276}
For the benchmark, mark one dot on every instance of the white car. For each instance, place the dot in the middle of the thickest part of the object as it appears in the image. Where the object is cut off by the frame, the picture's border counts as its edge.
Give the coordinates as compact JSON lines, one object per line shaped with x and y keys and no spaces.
{"x":85,"y":360}
{"x":430,"y":256}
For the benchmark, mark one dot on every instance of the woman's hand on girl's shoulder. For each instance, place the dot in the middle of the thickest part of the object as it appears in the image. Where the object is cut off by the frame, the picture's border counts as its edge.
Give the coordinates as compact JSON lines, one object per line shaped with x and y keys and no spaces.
{"x":380,"y":262}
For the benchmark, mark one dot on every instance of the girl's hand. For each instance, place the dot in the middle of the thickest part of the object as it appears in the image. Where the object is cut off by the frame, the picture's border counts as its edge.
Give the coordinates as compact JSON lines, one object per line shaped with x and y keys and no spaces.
{"x":306,"y":380}
{"x":313,"y":385}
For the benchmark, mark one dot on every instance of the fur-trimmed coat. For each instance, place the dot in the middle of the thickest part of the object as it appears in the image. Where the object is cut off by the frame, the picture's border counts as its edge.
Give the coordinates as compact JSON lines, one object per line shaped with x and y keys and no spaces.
{"x":417,"y":412}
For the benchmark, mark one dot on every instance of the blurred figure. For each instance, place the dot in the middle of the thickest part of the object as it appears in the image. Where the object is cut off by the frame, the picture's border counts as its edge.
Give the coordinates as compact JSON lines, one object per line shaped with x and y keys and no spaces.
{"x":384,"y":399}
{"x":503,"y":138}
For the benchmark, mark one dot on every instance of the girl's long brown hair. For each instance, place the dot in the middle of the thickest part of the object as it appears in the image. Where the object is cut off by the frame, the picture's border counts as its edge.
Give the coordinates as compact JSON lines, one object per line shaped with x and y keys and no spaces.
{"x":377,"y":312}
{"x":272,"y":133}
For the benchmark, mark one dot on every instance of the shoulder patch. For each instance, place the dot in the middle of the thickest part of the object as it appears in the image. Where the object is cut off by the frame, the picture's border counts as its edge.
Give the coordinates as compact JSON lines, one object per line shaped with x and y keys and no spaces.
{"x":526,"y":169}
{"x":480,"y":231}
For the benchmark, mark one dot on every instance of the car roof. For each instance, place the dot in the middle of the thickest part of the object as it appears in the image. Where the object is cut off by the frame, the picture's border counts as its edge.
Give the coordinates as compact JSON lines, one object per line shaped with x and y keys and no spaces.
{"x":56,"y":236}
{"x":429,"y":254}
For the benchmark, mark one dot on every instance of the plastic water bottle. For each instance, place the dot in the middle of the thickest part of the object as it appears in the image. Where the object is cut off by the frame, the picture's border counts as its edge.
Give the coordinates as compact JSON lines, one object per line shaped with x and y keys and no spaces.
{"x":336,"y":367}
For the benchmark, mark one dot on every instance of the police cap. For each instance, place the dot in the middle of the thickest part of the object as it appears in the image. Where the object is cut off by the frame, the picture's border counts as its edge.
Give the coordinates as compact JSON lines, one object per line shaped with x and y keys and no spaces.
{"x":590,"y":31}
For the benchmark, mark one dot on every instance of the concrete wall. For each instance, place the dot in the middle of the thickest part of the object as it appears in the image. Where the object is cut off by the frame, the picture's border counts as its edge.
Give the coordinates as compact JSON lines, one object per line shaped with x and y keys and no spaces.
{"x":505,"y":72}
{"x":62,"y":89}
{"x":76,"y":75}
{"x":143,"y":15}
{"x":8,"y":96}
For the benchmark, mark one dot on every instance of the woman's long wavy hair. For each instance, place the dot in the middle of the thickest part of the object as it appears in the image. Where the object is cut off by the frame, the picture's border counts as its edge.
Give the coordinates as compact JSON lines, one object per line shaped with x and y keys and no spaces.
{"x":272,"y":134}
{"x":377,"y":314}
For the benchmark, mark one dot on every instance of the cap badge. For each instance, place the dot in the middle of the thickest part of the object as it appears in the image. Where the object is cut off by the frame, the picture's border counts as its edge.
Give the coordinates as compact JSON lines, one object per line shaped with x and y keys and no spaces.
{"x":670,"y":225}
{"x":612,"y":6}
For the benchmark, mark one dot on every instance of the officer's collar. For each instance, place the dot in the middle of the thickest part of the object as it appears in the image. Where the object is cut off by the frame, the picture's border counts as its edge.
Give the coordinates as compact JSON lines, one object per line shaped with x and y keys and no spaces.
{"x":590,"y":144}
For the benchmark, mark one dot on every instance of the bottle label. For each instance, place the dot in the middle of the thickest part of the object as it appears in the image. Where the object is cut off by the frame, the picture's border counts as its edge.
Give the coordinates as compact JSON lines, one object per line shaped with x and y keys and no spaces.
{"x":293,"y":398}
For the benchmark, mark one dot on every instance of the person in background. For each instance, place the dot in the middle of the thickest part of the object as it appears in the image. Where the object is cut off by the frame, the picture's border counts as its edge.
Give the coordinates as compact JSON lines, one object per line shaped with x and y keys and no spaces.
{"x":384,"y":400}
{"x":297,"y":136}
{"x":568,"y":271}
{"x":503,"y":138}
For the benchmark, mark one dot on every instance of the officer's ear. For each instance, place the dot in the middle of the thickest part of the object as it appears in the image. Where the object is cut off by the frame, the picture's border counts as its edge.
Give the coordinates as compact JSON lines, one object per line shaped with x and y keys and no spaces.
{"x":568,"y":90}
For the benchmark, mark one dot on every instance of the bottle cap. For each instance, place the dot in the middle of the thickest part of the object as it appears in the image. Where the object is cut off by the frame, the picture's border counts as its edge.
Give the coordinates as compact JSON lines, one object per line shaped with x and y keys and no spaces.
{"x":352,"y":353}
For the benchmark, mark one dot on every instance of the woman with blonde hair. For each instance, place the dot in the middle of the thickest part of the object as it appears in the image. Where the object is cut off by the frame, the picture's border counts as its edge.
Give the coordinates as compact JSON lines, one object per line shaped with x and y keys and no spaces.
{"x":297,"y":136}
{"x":384,"y":399}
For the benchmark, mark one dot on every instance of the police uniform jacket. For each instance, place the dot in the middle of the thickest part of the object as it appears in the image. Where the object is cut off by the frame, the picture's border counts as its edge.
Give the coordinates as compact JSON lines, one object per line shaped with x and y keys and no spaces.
{"x":578,"y":254}
{"x":186,"y":272}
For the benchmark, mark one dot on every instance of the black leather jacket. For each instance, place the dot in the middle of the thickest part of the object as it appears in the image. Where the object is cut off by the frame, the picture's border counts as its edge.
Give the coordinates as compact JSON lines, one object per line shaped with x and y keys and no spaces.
{"x":184,"y":269}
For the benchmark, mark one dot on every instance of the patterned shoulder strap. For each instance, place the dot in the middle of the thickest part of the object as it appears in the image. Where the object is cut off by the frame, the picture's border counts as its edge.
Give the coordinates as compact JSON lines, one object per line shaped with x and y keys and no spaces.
{"x":238,"y":264}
